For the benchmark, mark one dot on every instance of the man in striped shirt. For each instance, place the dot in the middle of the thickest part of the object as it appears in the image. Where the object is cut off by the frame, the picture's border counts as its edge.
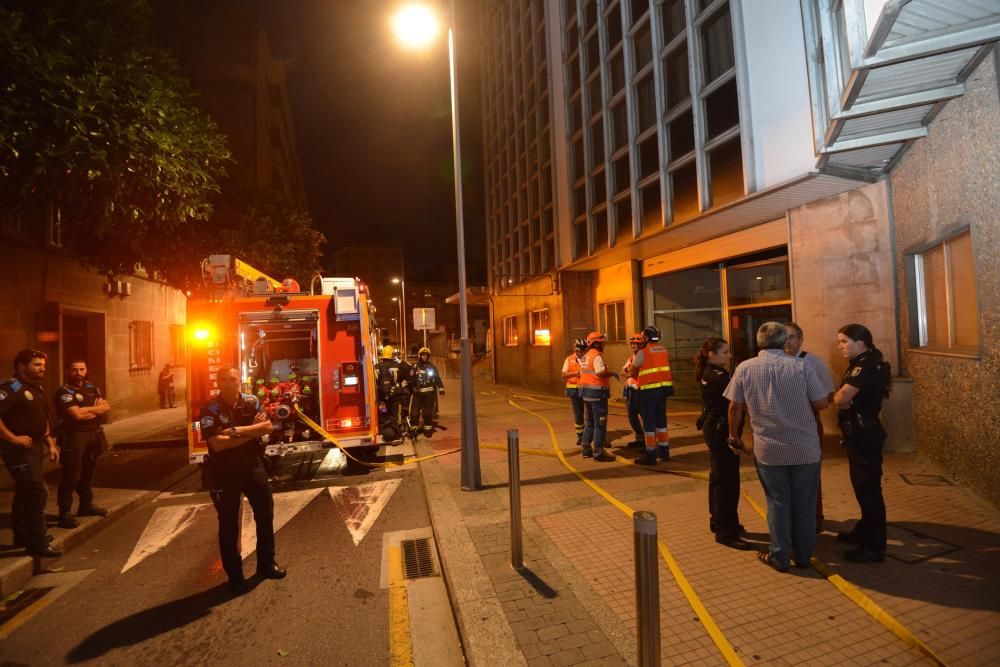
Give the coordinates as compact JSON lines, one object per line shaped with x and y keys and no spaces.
{"x":780,"y":393}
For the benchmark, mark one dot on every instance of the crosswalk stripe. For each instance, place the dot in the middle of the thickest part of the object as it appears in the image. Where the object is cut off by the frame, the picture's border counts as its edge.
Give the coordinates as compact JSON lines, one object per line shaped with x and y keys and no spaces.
{"x":165,"y":525}
{"x":286,"y":506}
{"x":361,"y":505}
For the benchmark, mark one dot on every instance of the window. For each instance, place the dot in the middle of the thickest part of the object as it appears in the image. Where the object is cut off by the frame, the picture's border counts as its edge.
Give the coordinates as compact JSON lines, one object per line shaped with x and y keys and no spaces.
{"x":510,"y":331}
{"x":611,"y":320}
{"x":946,"y":316}
{"x":177,"y":345}
{"x":140,"y":345}
{"x":540,"y":332}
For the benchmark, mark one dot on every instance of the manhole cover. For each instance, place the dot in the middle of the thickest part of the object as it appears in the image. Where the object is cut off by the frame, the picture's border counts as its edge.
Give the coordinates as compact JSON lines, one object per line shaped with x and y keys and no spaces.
{"x":926,"y":480}
{"x":911,"y":547}
{"x":417,"y":559}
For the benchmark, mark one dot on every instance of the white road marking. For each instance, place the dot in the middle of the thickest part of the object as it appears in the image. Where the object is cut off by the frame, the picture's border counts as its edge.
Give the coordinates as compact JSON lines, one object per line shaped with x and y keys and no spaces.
{"x":361,"y":505}
{"x":165,"y":525}
{"x":286,"y":506}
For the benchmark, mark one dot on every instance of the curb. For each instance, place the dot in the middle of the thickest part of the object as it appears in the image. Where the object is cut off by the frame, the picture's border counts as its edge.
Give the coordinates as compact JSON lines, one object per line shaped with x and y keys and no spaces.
{"x":19,"y":571}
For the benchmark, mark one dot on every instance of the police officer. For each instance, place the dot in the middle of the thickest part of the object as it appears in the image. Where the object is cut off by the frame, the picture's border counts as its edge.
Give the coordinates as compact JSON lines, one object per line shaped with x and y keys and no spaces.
{"x":232,"y":423}
{"x":391,"y":380}
{"x":866,"y":382}
{"x":571,"y":376}
{"x":631,"y":391}
{"x":425,"y":382}
{"x":651,"y":369}
{"x":25,"y":438}
{"x":82,"y":410}
{"x":595,"y":390}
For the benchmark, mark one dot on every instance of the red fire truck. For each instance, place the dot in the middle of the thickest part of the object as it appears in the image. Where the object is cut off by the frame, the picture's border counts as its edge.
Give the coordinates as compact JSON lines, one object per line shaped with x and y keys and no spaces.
{"x":314,"y":352}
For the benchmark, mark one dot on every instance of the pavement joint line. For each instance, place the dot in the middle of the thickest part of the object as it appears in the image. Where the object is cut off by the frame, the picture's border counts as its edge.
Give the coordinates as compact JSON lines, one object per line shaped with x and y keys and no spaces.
{"x":400,"y":642}
{"x":723,"y":645}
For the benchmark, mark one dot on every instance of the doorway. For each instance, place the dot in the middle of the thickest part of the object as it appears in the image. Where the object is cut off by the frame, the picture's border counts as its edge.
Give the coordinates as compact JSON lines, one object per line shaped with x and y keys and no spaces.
{"x":82,"y":337}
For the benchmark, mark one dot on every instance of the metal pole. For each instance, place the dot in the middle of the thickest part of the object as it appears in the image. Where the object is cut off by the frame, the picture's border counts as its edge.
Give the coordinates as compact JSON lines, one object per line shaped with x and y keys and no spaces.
{"x":402,"y":310}
{"x":471,"y":475}
{"x":514,"y":484}
{"x":647,"y":588}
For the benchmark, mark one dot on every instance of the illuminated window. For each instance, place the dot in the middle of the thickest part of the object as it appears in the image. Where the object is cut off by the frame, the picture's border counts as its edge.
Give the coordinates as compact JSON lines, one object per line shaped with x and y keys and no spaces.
{"x":177,"y":342}
{"x":510,"y":331}
{"x":140,"y":345}
{"x":943,"y":297}
{"x":541,"y":334}
{"x":611,"y":320}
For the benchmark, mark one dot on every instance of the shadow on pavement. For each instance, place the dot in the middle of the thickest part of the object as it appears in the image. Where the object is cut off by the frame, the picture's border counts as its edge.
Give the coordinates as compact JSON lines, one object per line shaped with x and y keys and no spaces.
{"x":538,"y":583}
{"x":149,"y":623}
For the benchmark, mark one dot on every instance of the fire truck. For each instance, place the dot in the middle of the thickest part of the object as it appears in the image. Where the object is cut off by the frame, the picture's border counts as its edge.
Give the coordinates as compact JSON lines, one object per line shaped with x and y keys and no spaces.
{"x":312,"y":352}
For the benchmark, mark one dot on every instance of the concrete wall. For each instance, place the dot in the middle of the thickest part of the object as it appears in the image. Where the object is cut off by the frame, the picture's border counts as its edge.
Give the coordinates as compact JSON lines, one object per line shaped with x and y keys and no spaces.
{"x":49,"y":288}
{"x":951,"y":179}
{"x":615,"y":283}
{"x":840,"y":253}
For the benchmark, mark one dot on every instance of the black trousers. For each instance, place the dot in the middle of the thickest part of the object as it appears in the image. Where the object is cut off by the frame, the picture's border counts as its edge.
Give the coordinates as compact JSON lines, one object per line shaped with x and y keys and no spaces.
{"x":78,"y":456}
{"x":231,"y":481}
{"x":864,"y":457}
{"x":632,"y":408}
{"x":723,"y":480}
{"x":27,"y":511}
{"x":423,"y":405}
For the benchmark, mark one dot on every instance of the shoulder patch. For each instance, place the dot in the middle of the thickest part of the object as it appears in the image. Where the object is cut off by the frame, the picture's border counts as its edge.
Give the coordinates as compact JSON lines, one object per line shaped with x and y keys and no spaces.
{"x":28,"y":395}
{"x":856,"y":371}
{"x":66,"y":398}
{"x":15,"y":384}
{"x":207,"y":422}
{"x":224,"y":417}
{"x":3,"y":395}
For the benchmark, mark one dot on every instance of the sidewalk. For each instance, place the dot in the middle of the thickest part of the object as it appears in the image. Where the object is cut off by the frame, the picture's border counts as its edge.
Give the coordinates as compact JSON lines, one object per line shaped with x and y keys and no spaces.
{"x":575,"y":603}
{"x":125,"y":478}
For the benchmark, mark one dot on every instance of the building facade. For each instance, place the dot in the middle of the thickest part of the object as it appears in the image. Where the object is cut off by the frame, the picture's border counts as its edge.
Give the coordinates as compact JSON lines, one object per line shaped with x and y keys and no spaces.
{"x":708,"y":165}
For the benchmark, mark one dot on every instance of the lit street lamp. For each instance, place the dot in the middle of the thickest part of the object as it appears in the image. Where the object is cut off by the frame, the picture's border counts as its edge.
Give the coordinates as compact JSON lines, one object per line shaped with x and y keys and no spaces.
{"x":416,"y":26}
{"x":399,"y":330}
{"x":402,"y":311}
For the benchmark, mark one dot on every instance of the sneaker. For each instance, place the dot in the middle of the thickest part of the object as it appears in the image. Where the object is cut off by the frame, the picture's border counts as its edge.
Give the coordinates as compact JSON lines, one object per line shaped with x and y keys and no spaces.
{"x":864,"y":555}
{"x":734,"y":542}
{"x":588,"y":453}
{"x":604,"y":458}
{"x":91,"y":510}
{"x":67,"y":521}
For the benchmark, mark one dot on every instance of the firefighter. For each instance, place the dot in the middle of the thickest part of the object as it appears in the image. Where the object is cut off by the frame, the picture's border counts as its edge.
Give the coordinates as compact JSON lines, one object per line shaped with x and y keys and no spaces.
{"x":391,"y":379}
{"x":232,"y":423}
{"x":25,"y":438}
{"x":631,"y":391}
{"x":595,"y":390}
{"x":571,"y":375}
{"x":425,"y":383}
{"x":651,"y":369}
{"x":82,"y":410}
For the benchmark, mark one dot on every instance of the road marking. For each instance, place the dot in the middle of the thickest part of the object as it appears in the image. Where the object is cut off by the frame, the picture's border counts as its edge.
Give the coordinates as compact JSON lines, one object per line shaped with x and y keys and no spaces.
{"x":163,"y":527}
{"x":400,"y":643}
{"x":40,"y":592}
{"x":361,"y":505}
{"x":286,"y":506}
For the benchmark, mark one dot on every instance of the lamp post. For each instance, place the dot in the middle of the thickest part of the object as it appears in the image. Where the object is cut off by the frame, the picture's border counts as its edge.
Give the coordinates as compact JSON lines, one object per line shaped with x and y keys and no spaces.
{"x":399,"y":324}
{"x":402,"y":310}
{"x":416,"y":26}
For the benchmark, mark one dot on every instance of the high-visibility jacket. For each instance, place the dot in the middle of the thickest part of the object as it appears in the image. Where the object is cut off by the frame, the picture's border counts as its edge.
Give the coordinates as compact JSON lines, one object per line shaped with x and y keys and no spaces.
{"x":572,"y":365}
{"x":655,"y":369}
{"x":592,"y":386}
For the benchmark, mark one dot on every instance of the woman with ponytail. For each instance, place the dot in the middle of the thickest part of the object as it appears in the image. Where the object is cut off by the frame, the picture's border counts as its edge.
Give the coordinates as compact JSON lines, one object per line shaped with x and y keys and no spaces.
{"x":711,"y":372}
{"x":866,"y":382}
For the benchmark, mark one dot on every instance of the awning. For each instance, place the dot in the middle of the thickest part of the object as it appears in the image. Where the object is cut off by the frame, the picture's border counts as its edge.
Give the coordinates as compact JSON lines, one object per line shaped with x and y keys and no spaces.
{"x":474,"y":296}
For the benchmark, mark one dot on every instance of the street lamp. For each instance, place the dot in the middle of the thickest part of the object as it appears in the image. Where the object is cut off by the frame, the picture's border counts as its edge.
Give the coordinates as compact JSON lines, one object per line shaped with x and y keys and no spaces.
{"x":399,"y":336}
{"x":402,"y":310}
{"x":416,"y":26}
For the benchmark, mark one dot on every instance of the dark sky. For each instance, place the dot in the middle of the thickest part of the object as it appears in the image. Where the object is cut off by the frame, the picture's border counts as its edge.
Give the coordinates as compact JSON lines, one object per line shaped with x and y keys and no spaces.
{"x":373,"y":128}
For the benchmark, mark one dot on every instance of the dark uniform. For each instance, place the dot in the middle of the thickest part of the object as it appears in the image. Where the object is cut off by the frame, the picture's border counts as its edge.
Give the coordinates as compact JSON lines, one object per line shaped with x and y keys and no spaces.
{"x":25,"y":411}
{"x":425,"y":381}
{"x":863,"y":438}
{"x":236,"y":472}
{"x":724,"y":477}
{"x":389,"y":377}
{"x":79,"y":445}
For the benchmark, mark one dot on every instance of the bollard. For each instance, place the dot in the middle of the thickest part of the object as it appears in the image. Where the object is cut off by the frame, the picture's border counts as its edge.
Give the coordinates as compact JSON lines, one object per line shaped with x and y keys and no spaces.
{"x":647,"y":588}
{"x":514,"y":484}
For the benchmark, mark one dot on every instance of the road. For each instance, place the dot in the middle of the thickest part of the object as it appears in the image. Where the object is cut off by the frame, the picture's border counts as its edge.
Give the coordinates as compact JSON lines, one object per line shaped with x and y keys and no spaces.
{"x":150,"y":589}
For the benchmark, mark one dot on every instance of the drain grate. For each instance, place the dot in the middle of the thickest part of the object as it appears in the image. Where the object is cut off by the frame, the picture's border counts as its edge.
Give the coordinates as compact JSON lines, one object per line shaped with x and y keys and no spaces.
{"x":926,"y":480}
{"x":417,"y":559}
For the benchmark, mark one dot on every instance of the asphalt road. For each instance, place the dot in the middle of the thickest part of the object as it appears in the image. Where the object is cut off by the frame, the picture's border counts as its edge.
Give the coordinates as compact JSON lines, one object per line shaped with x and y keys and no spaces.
{"x":173,"y":606}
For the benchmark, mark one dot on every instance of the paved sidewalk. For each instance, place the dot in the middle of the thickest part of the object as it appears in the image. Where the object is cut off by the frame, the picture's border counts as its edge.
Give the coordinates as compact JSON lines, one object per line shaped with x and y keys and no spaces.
{"x":575,"y":603}
{"x":125,"y":478}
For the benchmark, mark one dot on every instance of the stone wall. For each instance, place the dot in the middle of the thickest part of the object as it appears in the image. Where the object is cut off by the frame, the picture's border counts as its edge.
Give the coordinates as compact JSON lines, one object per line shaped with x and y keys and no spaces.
{"x":948,"y":180}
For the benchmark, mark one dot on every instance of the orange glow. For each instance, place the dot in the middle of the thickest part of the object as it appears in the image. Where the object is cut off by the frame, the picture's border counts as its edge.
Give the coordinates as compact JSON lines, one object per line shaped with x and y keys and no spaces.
{"x":543,"y":337}
{"x":347,"y":423}
{"x":202,"y":333}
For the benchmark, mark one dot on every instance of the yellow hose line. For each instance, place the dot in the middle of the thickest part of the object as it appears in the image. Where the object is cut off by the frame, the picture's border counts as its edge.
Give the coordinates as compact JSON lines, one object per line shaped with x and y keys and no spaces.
{"x":388,"y":464}
{"x":699,"y":609}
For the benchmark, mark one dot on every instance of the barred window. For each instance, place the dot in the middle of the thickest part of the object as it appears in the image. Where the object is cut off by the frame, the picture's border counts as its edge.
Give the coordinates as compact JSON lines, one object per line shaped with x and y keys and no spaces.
{"x":140,"y":346}
{"x":177,"y":349}
{"x":510,"y":331}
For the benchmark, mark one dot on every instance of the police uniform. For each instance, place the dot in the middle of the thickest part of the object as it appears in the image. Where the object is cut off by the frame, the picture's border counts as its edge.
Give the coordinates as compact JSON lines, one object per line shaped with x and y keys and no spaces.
{"x":389,"y":377}
{"x":863,"y":438}
{"x":236,"y":472}
{"x":79,"y":445}
{"x":425,"y":382}
{"x":724,"y":476}
{"x":25,"y":411}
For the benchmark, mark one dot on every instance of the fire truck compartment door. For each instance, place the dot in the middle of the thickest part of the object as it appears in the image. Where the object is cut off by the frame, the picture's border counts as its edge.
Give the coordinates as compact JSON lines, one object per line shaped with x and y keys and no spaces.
{"x":270,"y":316}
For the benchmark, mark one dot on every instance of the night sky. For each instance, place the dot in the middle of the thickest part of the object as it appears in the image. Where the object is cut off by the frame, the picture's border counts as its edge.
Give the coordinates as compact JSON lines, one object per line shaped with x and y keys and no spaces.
{"x":373,"y":128}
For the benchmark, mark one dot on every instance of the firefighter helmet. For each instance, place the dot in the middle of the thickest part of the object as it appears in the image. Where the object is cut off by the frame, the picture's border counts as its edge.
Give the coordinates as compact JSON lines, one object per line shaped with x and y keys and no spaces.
{"x":596,"y":337}
{"x":636,"y":338}
{"x":388,"y":352}
{"x":581,"y":344}
{"x":424,"y":350}
{"x":651,"y":334}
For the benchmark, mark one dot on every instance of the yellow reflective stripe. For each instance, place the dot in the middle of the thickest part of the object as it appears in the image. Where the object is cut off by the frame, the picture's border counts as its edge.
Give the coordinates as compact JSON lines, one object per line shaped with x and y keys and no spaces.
{"x":570,"y":386}
{"x":657,"y":384}
{"x":647,"y":371}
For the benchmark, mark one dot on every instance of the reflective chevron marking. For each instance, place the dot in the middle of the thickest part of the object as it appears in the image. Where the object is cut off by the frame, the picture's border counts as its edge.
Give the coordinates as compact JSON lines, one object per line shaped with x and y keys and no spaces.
{"x":361,"y":505}
{"x":286,"y":505}
{"x":165,"y":524}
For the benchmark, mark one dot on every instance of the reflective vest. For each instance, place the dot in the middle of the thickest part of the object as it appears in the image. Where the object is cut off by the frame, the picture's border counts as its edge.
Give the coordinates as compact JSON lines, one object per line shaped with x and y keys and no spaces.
{"x":655,"y":370}
{"x":630,"y":382}
{"x":572,"y":366}
{"x":592,"y":386}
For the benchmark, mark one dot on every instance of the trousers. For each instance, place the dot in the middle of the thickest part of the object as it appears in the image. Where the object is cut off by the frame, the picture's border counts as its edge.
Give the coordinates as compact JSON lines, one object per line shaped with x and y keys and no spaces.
{"x":864,"y":458}
{"x":596,"y":426}
{"x":723,"y":479}
{"x":578,"y":415}
{"x":423,"y":405}
{"x":78,"y":456}
{"x":27,"y":511}
{"x":632,"y":408}
{"x":231,"y":481}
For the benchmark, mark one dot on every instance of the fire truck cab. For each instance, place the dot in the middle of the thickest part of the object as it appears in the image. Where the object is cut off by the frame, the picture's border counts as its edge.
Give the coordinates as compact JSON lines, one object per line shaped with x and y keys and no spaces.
{"x":295,"y":351}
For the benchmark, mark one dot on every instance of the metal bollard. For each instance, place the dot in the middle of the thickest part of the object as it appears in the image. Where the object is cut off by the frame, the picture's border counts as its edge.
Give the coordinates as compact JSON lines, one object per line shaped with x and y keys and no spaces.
{"x":514,"y":484}
{"x":647,"y":588}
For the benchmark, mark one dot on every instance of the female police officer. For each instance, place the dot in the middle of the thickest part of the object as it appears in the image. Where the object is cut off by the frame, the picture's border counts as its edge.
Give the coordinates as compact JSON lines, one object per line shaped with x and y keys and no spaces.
{"x":866,"y":382}
{"x":711,"y":372}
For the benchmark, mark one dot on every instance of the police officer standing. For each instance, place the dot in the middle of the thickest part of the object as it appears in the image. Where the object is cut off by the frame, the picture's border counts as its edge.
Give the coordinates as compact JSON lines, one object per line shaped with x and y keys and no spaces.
{"x":866,"y":382}
{"x":631,"y":391}
{"x":391,"y":380}
{"x":25,"y":438}
{"x":651,"y":369}
{"x":595,"y":391}
{"x":82,"y":410}
{"x":426,"y":383}
{"x":571,"y":376}
{"x":232,"y":423}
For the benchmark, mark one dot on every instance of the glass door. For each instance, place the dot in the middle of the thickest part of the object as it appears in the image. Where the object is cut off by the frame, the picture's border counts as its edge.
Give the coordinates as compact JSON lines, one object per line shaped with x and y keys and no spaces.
{"x":756,"y":293}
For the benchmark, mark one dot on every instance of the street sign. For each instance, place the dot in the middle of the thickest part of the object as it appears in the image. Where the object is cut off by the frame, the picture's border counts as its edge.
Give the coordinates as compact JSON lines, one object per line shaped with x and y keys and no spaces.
{"x":423,"y":319}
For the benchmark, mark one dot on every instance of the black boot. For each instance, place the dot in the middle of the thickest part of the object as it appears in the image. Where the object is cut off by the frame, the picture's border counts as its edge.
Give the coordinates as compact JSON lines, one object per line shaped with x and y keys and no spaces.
{"x":66,"y":520}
